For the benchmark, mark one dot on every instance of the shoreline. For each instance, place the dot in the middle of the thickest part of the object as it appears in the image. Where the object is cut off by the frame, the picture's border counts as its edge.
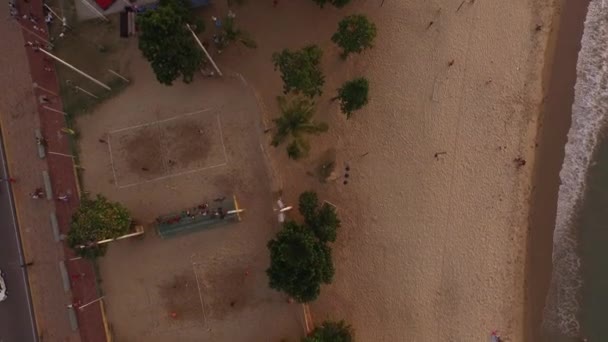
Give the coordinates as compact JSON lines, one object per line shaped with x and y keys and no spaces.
{"x":559,"y":78}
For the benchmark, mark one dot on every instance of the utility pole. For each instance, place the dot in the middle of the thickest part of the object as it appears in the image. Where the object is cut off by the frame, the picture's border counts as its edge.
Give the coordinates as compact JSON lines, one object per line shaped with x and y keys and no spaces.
{"x":204,"y":50}
{"x":89,"y":303}
{"x":74,"y":68}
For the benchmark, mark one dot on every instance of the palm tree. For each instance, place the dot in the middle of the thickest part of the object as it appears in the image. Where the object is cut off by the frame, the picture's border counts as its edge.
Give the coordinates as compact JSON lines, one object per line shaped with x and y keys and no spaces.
{"x":295,"y":122}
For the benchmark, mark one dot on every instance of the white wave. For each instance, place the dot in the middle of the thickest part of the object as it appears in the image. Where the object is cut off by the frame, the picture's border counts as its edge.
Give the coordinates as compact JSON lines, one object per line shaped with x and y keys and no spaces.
{"x":588,"y":115}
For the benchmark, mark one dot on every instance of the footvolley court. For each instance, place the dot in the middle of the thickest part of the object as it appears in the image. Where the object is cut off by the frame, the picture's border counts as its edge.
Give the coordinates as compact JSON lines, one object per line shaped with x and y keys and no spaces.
{"x":198,"y":217}
{"x":166,"y":148}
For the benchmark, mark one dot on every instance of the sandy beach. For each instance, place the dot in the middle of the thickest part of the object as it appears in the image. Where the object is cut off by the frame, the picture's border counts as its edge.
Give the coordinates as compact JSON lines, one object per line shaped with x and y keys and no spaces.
{"x":436,"y":213}
{"x":431,"y":248}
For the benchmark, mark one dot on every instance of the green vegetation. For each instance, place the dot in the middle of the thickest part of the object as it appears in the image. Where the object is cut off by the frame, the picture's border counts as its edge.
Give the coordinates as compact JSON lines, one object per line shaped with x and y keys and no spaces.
{"x":300,"y":258}
{"x":323,"y":220}
{"x":336,"y":3}
{"x":331,"y":332}
{"x":299,"y":263}
{"x":166,"y":42}
{"x":301,"y":70}
{"x":295,"y":122}
{"x":234,"y":34}
{"x":97,"y":219}
{"x":308,"y":204}
{"x":353,"y":95}
{"x":355,"y":33}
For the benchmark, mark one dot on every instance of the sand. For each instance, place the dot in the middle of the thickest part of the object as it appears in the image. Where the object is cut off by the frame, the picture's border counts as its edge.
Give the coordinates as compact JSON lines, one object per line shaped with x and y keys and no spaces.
{"x":430,"y":248}
{"x":560,"y":77}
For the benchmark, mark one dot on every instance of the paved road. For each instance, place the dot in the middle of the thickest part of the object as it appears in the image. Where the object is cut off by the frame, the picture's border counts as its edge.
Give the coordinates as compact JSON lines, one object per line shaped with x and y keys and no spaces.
{"x":16,"y":317}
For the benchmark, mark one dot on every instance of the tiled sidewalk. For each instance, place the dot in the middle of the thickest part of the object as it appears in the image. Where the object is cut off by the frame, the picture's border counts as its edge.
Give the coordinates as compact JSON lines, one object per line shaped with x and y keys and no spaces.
{"x":22,"y":112}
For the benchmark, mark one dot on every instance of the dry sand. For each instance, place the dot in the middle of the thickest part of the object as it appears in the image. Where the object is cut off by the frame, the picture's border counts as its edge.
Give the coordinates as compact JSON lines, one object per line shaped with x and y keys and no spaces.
{"x":431,"y":248}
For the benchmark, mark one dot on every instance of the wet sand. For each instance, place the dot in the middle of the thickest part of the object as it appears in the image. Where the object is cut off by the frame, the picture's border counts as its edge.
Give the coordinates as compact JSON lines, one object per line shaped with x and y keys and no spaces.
{"x":560,"y":77}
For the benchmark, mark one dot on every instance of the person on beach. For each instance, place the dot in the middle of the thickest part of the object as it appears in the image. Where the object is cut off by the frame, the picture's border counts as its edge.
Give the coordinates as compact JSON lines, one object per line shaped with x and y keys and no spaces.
{"x":519,"y":162}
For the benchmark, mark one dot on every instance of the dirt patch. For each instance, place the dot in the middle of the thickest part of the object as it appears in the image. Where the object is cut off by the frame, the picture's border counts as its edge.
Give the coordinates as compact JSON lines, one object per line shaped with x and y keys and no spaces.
{"x":141,"y":149}
{"x":181,"y":144}
{"x":181,"y":297}
{"x":228,"y":291}
{"x":191,"y":142}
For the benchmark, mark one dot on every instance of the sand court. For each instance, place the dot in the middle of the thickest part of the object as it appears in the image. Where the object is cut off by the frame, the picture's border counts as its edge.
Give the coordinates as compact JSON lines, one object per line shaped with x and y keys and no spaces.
{"x":179,"y":145}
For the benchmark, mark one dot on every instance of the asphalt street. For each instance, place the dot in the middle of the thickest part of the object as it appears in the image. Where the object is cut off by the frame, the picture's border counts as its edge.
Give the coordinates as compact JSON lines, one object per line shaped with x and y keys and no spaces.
{"x":16,"y":317}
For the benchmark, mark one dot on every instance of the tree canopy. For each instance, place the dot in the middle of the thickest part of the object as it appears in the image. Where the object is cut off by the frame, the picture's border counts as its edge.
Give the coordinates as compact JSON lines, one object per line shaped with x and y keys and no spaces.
{"x":166,"y":42}
{"x":97,"y":219}
{"x":300,"y":70}
{"x":294,"y":123}
{"x":322,"y":220}
{"x":300,"y":258}
{"x":355,"y":33}
{"x":331,"y":332}
{"x":299,"y":262}
{"x":308,"y":203}
{"x":336,"y":3}
{"x":353,"y":95}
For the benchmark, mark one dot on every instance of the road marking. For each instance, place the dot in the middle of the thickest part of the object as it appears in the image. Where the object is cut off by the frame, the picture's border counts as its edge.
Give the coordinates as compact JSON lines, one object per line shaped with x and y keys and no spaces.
{"x":159,"y":121}
{"x":219,"y":125}
{"x":112,"y":160}
{"x":172,"y":175}
{"x":198,"y":286}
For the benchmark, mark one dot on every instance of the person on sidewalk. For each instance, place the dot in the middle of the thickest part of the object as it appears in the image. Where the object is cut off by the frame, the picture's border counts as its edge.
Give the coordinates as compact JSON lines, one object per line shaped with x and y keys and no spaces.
{"x":38,"y":193}
{"x":9,"y":179}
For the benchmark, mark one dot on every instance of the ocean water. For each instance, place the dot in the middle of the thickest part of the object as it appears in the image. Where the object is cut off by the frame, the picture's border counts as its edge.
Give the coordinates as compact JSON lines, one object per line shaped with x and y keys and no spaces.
{"x":577,"y":301}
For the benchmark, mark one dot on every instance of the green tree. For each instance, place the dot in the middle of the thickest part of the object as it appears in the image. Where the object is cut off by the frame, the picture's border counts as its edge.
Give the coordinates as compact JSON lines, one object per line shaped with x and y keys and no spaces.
{"x":299,"y":263}
{"x":308,"y":204}
{"x":331,"y":332}
{"x":355,"y":33}
{"x":295,"y":121}
{"x":326,"y":223}
{"x":167,"y":44}
{"x":322,"y":220}
{"x":97,"y":219}
{"x":234,"y":34}
{"x":353,"y":95}
{"x":336,"y":3}
{"x":300,"y":70}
